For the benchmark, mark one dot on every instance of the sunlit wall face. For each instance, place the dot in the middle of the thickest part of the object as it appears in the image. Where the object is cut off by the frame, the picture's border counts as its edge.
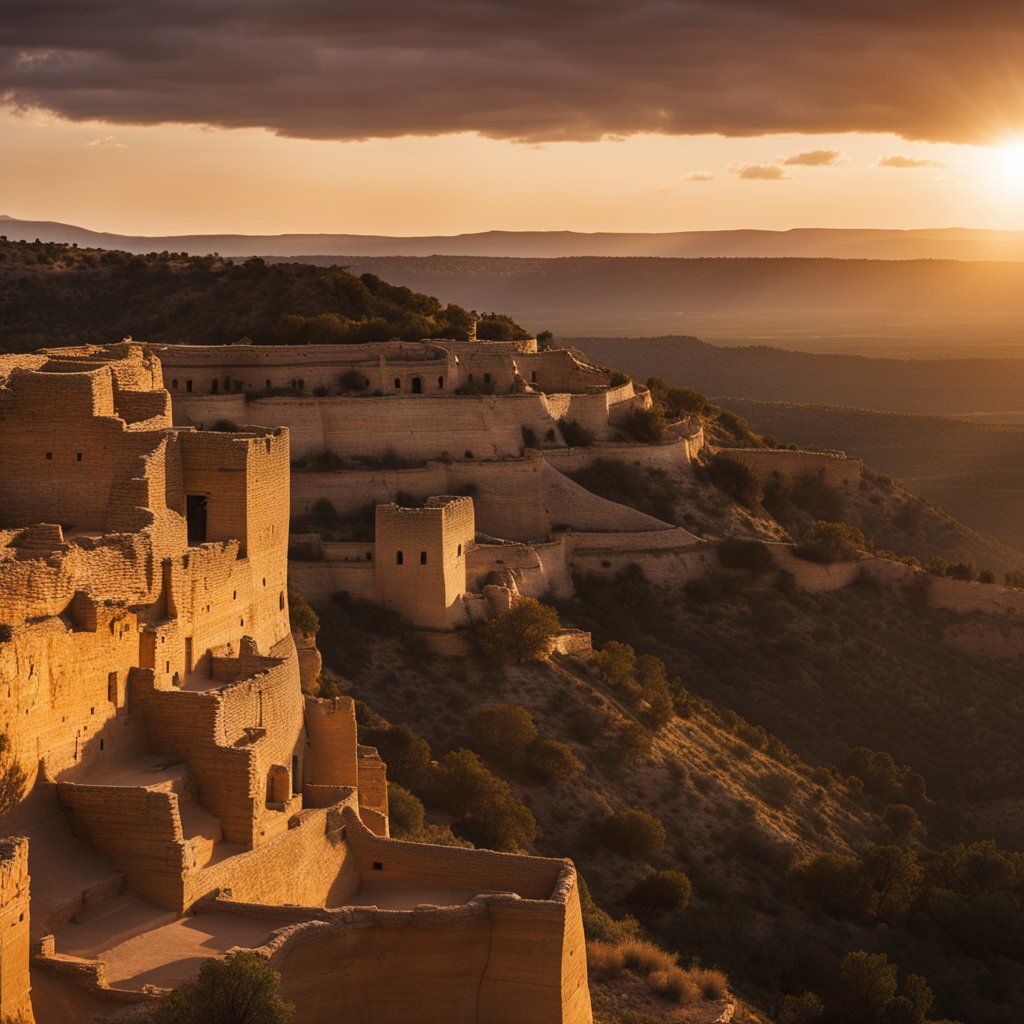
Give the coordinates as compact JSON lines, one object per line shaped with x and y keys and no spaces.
{"x":180,"y":179}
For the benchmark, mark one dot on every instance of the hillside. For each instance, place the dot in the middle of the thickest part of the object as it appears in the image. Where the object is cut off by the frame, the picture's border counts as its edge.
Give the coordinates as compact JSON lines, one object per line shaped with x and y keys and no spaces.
{"x":973,"y":470}
{"x":844,"y":243}
{"x":56,"y":294}
{"x":939,"y":386}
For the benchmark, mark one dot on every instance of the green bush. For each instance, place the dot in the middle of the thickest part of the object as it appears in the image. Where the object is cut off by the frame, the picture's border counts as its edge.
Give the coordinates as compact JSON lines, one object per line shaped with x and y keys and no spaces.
{"x":635,"y":835}
{"x":733,"y":478}
{"x":827,"y":543}
{"x":406,"y":813}
{"x":802,"y":1009}
{"x":575,"y":434}
{"x":644,"y":425}
{"x":485,"y":810}
{"x":406,"y":754}
{"x":522,"y":634}
{"x":551,"y":761}
{"x":503,"y":733}
{"x":661,"y":893}
{"x":301,"y":617}
{"x":240,"y":989}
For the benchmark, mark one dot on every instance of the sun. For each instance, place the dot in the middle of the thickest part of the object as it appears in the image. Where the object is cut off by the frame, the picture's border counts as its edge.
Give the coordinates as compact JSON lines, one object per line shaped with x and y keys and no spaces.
{"x":1008,"y":165}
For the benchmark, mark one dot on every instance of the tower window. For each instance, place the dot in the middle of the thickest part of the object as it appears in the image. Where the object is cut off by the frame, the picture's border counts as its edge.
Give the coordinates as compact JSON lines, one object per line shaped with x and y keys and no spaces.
{"x":188,"y":385}
{"x":487,"y":378}
{"x":440,"y":382}
{"x":533,"y":377}
{"x":49,"y":455}
{"x":215,"y":384}
{"x":78,"y":456}
{"x":174,"y":384}
{"x":399,"y":558}
{"x":423,"y":558}
{"x":460,"y":550}
{"x":398,"y":383}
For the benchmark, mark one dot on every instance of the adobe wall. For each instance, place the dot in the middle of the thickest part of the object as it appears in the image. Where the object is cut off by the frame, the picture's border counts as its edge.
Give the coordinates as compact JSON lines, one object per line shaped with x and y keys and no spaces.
{"x":500,"y":959}
{"x":832,"y":468}
{"x":669,"y":558}
{"x":964,"y":596}
{"x":331,"y":743}
{"x":15,"y":986}
{"x":195,"y":369}
{"x":420,"y":558}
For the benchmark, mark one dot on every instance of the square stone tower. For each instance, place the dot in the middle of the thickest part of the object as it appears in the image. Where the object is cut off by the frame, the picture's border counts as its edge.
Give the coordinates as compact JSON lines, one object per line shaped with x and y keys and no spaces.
{"x":420,"y":559}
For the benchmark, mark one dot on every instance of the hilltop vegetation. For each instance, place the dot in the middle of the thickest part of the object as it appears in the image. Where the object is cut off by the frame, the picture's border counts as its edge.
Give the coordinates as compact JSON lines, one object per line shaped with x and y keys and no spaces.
{"x":52,"y":294}
{"x":974,"y":470}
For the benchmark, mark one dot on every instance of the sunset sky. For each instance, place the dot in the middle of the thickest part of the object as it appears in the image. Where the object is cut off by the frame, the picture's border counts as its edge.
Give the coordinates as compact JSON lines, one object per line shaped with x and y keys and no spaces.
{"x":403,"y":117}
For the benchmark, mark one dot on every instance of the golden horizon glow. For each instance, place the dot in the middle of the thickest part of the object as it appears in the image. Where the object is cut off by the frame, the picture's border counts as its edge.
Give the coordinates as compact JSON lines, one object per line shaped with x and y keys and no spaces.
{"x":177,"y":179}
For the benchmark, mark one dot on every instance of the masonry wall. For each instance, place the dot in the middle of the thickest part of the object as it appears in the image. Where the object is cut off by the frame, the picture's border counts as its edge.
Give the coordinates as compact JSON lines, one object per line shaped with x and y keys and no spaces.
{"x":420,"y":558}
{"x":832,"y":468}
{"x":15,"y":987}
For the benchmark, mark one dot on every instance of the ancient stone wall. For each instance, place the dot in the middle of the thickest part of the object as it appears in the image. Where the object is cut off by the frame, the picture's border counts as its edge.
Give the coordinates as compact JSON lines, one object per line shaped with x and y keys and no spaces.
{"x":832,"y":468}
{"x":420,"y":558}
{"x":15,"y":1002}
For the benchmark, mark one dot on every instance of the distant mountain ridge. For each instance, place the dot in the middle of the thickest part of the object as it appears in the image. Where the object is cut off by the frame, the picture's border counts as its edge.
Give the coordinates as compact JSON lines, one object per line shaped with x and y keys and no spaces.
{"x":835,"y":243}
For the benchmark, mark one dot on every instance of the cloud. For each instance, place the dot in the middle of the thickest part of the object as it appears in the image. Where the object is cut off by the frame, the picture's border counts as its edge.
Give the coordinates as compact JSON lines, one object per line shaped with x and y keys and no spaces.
{"x":107,"y":140}
{"x":699,"y":176}
{"x":761,"y":172}
{"x":815,"y":158}
{"x":907,"y":161}
{"x":534,"y":70}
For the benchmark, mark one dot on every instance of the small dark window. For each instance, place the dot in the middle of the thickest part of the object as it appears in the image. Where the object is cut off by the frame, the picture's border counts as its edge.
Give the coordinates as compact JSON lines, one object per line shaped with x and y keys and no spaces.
{"x":440,"y":382}
{"x":78,"y":456}
{"x":378,"y":865}
{"x":268,"y":385}
{"x":417,"y":385}
{"x":423,"y":558}
{"x":215,"y":384}
{"x":398,"y":383}
{"x":195,"y":514}
{"x":174,"y":384}
{"x":487,"y":378}
{"x":302,"y":383}
{"x":471,"y":378}
{"x":241,"y":622}
{"x":188,"y":385}
{"x":369,"y":556}
{"x":112,"y":687}
{"x":399,"y":558}
{"x":460,"y":549}
{"x":101,"y":744}
{"x":49,"y":455}
{"x":533,"y":377}
{"x":280,"y":602}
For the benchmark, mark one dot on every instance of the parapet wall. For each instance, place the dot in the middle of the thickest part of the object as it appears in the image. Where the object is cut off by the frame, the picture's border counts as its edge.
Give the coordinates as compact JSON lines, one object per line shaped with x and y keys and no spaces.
{"x":15,"y":1001}
{"x":832,"y":468}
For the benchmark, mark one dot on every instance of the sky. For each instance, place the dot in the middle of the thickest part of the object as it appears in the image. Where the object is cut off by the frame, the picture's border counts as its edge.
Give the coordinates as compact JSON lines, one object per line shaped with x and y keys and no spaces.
{"x":445,"y":116}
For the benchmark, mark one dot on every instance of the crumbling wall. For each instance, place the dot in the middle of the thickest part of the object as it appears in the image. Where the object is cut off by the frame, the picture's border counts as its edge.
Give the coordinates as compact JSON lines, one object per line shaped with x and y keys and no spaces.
{"x":15,"y":1001}
{"x":832,"y":468}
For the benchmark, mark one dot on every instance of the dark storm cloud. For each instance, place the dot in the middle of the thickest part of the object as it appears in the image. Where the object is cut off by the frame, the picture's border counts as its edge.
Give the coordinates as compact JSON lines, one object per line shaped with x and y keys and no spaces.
{"x":524,"y":69}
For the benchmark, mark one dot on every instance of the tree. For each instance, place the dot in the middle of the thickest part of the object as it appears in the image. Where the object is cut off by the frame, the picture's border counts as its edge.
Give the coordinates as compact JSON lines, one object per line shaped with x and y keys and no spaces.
{"x":826,"y":542}
{"x":867,"y":983}
{"x":801,"y":1009}
{"x":301,"y":617}
{"x":12,"y":777}
{"x":734,"y":478}
{"x":240,"y":989}
{"x":486,"y":810}
{"x":902,"y":822}
{"x":635,"y":835}
{"x":661,"y":893}
{"x":521,"y":634}
{"x":503,"y":733}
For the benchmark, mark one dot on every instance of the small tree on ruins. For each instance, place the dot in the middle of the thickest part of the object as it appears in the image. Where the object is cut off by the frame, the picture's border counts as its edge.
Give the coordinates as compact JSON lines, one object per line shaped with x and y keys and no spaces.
{"x":240,"y":989}
{"x":521,"y":634}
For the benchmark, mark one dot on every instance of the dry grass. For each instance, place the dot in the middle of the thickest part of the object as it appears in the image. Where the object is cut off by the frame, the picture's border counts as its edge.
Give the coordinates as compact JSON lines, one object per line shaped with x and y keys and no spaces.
{"x":664,"y":977}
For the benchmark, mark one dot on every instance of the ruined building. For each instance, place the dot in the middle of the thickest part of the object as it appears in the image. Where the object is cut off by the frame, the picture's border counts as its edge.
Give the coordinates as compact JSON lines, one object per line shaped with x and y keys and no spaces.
{"x":169,"y":791}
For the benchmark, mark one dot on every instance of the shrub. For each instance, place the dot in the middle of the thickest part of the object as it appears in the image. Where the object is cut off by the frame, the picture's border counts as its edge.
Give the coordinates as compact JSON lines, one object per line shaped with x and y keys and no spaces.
{"x":826,"y":543}
{"x":240,"y":989}
{"x":302,"y":618}
{"x":901,"y":821}
{"x":734,"y":478}
{"x":551,"y":761}
{"x":661,"y":893}
{"x":776,"y":789}
{"x":503,"y":733}
{"x":406,"y":754}
{"x":486,"y":811}
{"x":406,"y":813}
{"x":648,"y":490}
{"x":521,"y":634}
{"x":575,"y":434}
{"x":352,"y":382}
{"x":12,"y":777}
{"x":712,"y":984}
{"x":803,"y":1009}
{"x":635,"y":835}
{"x":644,"y":425}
